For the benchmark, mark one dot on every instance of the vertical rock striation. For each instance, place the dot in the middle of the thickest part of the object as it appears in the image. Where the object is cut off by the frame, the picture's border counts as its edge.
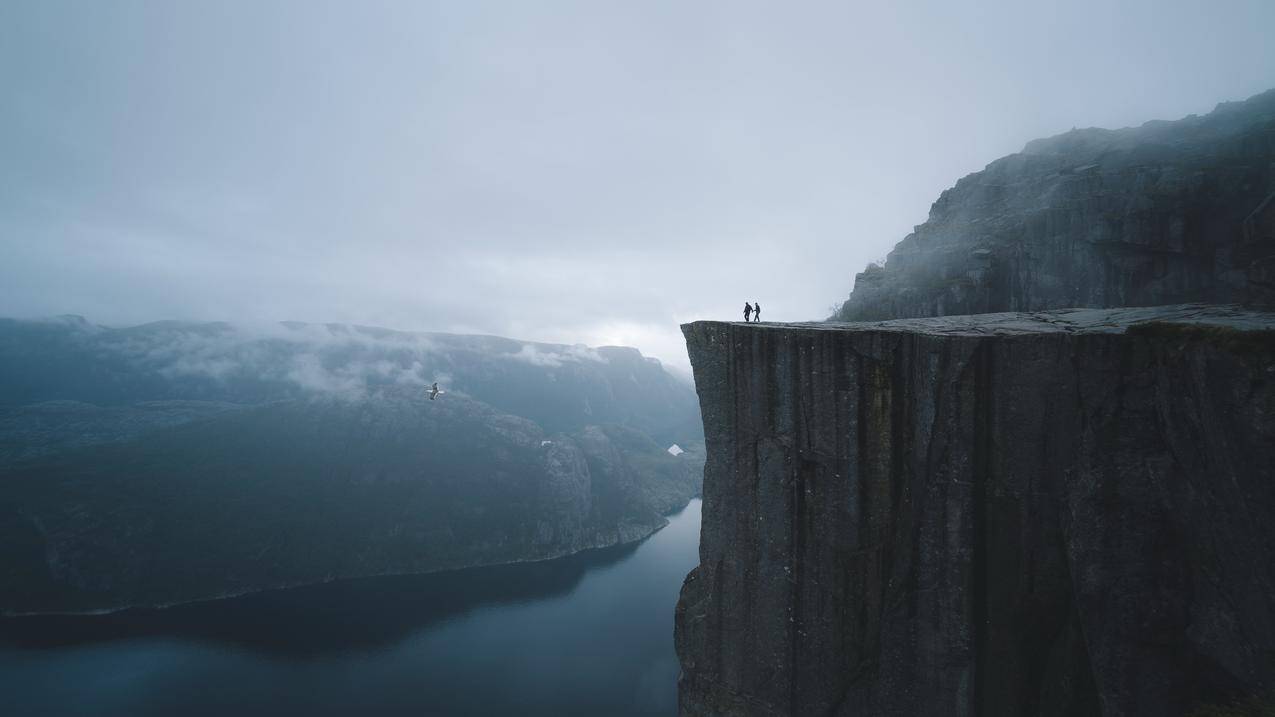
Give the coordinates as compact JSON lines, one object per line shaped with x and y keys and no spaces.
{"x":1062,"y":513}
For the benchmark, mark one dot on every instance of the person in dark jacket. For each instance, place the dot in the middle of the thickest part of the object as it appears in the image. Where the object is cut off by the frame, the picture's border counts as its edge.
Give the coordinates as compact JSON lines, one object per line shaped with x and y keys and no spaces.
{"x":756,"y":311}
{"x":748,"y":311}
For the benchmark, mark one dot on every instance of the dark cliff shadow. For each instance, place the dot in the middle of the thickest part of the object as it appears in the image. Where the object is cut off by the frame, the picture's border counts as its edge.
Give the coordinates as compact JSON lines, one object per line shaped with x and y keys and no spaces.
{"x":311,"y":621}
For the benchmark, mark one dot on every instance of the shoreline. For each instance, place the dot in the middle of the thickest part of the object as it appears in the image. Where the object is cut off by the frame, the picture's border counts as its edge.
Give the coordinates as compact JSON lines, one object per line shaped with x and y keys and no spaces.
{"x":5,"y":615}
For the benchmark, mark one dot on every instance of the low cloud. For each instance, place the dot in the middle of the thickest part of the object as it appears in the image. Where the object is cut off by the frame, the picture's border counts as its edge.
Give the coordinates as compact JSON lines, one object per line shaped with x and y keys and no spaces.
{"x":332,"y":359}
{"x":553,"y":357}
{"x":340,"y":360}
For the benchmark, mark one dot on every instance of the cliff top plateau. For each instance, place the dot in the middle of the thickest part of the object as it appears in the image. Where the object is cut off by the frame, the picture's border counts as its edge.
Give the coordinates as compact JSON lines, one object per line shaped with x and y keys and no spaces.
{"x":1071,"y":321}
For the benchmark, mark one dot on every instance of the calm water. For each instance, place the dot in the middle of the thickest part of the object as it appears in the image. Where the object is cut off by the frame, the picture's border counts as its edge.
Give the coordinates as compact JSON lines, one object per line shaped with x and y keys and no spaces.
{"x":590,"y":634}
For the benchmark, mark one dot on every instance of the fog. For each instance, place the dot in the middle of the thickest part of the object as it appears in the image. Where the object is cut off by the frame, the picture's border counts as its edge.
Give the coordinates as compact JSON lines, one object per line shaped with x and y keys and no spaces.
{"x":343,"y":361}
{"x":574,"y":172}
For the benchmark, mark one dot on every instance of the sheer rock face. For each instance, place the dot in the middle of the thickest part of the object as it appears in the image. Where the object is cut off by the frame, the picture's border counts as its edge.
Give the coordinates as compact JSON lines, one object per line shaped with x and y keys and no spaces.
{"x":1061,"y":513}
{"x":1165,"y":213}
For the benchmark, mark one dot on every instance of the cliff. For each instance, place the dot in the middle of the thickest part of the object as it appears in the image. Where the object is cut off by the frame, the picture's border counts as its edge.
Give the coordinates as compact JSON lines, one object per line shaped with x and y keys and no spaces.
{"x":1058,"y":513}
{"x":1169,"y":212}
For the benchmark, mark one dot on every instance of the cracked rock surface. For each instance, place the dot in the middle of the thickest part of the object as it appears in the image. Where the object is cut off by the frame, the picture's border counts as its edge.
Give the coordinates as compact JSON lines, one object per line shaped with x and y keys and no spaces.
{"x":1057,"y":513}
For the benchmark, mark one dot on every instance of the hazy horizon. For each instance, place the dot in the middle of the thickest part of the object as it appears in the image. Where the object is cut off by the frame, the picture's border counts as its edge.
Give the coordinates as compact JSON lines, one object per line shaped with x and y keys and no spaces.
{"x":572,"y":172}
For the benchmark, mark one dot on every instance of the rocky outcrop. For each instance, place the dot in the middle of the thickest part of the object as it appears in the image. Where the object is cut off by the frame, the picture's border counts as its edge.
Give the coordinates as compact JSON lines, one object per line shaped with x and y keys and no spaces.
{"x":1168,"y":212}
{"x":1058,"y":513}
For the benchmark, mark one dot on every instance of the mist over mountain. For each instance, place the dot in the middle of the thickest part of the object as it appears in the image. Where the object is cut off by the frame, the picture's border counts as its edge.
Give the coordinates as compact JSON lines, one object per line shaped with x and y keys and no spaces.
{"x":178,"y":461}
{"x":1162,"y":213}
{"x":996,"y":503}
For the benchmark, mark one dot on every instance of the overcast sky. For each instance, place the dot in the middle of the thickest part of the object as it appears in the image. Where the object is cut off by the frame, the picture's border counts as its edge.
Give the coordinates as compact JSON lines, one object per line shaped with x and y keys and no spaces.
{"x":581,"y":171}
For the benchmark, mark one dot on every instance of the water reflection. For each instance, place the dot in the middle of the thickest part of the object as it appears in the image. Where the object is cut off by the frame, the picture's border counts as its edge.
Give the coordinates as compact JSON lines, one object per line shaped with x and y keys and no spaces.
{"x":585,"y":635}
{"x":365,"y":613}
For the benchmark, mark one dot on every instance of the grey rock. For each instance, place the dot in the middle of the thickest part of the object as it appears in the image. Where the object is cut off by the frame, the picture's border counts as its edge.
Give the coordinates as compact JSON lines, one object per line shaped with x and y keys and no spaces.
{"x":1165,"y":213}
{"x":1058,"y":513}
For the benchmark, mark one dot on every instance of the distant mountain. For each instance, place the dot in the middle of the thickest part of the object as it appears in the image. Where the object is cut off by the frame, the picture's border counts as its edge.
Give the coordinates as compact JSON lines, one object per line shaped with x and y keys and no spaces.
{"x":174,"y":461}
{"x":1164,"y":213}
{"x":560,"y":387}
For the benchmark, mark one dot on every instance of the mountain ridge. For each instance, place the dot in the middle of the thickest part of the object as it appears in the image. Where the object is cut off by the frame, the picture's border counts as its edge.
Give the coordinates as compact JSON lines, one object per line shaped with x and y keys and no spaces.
{"x":179,"y":461}
{"x":1167,"y":212}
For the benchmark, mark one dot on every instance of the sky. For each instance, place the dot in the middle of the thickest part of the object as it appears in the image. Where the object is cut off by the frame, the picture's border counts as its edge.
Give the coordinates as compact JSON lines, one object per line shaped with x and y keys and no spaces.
{"x":577,"y":171}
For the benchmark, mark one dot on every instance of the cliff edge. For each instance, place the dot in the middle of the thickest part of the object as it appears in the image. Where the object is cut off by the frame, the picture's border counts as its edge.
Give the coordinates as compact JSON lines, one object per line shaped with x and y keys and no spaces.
{"x":1057,"y":513}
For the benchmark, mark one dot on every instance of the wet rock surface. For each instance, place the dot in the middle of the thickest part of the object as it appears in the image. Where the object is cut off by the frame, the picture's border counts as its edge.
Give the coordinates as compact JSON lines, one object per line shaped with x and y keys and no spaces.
{"x":1059,"y":513}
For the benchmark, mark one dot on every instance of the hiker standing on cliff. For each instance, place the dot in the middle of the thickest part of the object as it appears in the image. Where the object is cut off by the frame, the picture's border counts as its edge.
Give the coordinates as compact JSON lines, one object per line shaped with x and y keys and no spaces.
{"x":748,"y":311}
{"x":756,"y":312}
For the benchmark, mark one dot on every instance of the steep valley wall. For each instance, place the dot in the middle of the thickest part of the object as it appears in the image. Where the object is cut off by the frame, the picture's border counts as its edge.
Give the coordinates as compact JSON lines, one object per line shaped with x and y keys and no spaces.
{"x":1060,"y":513}
{"x":1164,"y":213}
